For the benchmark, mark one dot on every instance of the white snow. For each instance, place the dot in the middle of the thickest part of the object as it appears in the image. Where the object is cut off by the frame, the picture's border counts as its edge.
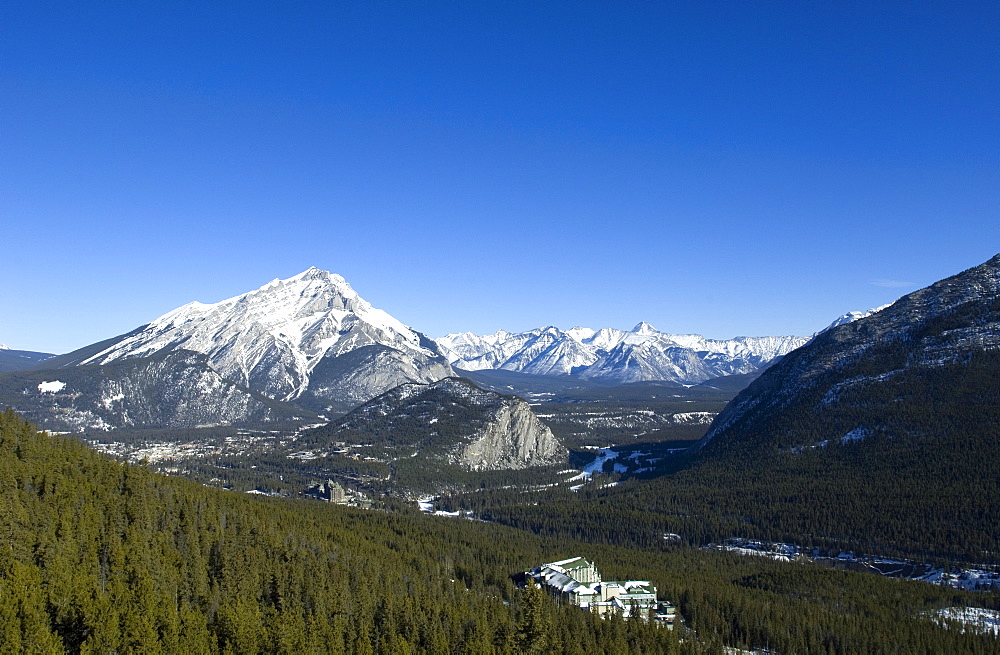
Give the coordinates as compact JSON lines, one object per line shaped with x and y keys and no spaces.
{"x":51,"y":387}
{"x":640,"y":354}
{"x":694,"y":418}
{"x":272,"y":338}
{"x":598,"y":463}
{"x":581,"y":333}
{"x":850,"y":317}
{"x":976,"y":618}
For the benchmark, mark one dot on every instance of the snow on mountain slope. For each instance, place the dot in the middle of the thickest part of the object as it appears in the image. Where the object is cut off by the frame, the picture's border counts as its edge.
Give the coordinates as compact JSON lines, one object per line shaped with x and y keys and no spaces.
{"x":274,"y":338}
{"x":850,"y":317}
{"x":641,"y":354}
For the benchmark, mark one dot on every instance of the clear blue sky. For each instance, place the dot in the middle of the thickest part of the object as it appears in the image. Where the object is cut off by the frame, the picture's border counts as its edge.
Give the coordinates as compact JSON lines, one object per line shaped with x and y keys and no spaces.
{"x":721,"y":168}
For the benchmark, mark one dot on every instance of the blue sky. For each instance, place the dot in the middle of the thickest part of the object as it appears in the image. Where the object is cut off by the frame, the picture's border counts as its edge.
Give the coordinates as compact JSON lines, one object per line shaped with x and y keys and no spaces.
{"x":721,"y":168}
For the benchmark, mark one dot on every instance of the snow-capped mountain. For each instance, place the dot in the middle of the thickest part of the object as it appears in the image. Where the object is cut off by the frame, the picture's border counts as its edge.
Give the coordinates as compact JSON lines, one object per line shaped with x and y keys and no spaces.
{"x":309,"y":341}
{"x":640,"y":354}
{"x":285,"y":339}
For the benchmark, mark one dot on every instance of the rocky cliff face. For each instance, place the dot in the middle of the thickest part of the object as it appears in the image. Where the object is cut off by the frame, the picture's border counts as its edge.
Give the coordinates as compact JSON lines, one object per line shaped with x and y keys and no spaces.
{"x":512,"y":438}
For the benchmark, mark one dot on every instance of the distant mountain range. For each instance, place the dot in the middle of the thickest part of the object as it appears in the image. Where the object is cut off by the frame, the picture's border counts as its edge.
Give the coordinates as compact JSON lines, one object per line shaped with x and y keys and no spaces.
{"x":15,"y":360}
{"x":615,"y":356}
{"x":310,"y":346}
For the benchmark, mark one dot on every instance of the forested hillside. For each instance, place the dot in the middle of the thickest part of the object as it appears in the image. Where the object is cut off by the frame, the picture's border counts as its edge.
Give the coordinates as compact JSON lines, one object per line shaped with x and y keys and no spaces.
{"x":932,"y":496}
{"x":97,"y":556}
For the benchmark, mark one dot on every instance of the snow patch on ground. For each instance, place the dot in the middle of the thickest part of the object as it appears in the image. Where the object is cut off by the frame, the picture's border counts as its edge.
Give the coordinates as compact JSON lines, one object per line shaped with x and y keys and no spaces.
{"x":598,"y":463}
{"x":857,"y":434}
{"x":976,"y":619}
{"x":426,"y":506}
{"x":51,"y":387}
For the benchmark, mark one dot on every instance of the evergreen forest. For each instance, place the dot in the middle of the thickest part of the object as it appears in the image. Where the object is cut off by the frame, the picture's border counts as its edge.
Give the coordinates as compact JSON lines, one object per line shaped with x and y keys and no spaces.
{"x":101,"y":556}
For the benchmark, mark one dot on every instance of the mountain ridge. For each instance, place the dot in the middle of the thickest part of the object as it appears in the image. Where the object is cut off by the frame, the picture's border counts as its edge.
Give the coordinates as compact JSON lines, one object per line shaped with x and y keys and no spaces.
{"x":841,"y":346}
{"x":611,"y":355}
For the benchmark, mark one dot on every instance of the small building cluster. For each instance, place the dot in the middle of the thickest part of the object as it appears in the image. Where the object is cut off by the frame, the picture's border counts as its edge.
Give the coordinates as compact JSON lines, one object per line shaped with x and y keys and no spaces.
{"x":577,"y":581}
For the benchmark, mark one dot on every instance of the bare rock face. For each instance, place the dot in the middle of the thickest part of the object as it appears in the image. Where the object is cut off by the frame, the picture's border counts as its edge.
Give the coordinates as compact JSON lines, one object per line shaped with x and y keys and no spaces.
{"x":513,"y":438}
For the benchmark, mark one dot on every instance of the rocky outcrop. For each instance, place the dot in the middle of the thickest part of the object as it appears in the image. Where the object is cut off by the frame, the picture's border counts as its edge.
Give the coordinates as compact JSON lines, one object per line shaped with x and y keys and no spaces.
{"x":451,"y":421}
{"x":513,"y":438}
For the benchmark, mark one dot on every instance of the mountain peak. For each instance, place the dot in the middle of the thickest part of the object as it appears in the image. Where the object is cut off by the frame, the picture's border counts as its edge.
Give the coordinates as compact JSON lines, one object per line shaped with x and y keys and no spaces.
{"x":643,"y":328}
{"x":313,"y":274}
{"x":850,"y":317}
{"x":273,"y":339}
